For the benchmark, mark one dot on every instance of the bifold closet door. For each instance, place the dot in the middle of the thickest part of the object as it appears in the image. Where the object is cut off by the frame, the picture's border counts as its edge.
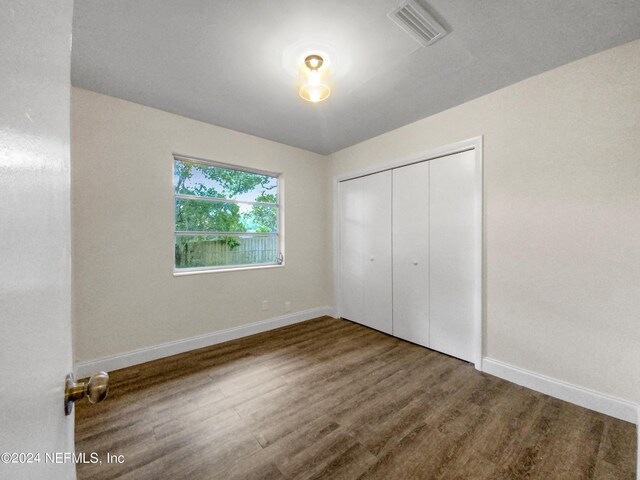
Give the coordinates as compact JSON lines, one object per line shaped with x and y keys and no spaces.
{"x":411,"y":253}
{"x":365,"y":250}
{"x":454,"y":253}
{"x":351,"y":264}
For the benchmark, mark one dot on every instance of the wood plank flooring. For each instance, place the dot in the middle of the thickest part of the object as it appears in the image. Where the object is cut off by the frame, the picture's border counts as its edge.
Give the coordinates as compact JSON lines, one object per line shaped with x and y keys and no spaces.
{"x":329,"y":398}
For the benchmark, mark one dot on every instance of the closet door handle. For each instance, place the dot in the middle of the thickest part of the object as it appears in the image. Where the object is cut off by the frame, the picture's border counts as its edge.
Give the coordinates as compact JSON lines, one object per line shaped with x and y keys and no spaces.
{"x":415,"y":262}
{"x":371,"y":259}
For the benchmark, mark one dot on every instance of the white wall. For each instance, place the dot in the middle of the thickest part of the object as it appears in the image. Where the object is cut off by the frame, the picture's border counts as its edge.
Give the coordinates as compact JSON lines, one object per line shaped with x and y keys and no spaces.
{"x":562,"y":215}
{"x":35,"y":337}
{"x":125,"y":294}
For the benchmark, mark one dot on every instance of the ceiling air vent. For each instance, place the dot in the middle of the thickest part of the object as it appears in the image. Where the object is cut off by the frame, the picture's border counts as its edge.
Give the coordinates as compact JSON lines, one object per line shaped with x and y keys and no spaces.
{"x":417,"y":22}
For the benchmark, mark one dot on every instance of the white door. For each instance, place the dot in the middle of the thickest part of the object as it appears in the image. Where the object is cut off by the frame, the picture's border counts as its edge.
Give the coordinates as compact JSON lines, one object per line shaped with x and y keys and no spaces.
{"x":376,"y":219}
{"x":411,"y":253}
{"x":351,"y":243}
{"x":454,"y":227}
{"x":365,"y":250}
{"x":35,"y":343}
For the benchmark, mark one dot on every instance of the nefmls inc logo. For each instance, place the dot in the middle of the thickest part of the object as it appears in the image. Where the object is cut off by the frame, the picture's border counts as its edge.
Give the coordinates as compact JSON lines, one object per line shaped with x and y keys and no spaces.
{"x":72,"y":457}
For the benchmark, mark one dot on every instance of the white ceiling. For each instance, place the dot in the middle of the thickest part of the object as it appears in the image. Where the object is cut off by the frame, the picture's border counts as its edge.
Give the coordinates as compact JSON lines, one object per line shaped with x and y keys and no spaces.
{"x":228,"y":62}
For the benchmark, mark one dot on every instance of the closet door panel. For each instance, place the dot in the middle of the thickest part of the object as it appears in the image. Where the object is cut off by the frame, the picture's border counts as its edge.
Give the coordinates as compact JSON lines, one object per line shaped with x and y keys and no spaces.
{"x":376,"y":221}
{"x":453,"y":254}
{"x":365,"y":251}
{"x":351,"y":244}
{"x":411,"y":253}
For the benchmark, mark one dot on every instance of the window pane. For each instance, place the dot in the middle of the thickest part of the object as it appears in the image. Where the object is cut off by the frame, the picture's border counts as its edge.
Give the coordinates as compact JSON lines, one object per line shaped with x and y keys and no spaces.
{"x":209,"y":181}
{"x":207,"y":216}
{"x":211,"y":251}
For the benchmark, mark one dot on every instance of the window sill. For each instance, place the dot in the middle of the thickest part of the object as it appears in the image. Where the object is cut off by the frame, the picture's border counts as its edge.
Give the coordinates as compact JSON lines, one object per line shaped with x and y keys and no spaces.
{"x":180,"y":273}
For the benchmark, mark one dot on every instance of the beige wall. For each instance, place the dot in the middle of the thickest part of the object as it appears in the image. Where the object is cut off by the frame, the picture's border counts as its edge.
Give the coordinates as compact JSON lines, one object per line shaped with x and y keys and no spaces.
{"x":562,"y":215}
{"x":125,"y":294}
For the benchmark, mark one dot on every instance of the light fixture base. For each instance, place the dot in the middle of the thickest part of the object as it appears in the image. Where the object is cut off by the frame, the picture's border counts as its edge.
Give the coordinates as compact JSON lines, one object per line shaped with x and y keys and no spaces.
{"x":313,"y":62}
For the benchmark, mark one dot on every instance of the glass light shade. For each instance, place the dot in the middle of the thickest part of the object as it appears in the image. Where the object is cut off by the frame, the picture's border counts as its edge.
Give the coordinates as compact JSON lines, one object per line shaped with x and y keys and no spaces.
{"x":314,"y":93}
{"x":313,"y":77}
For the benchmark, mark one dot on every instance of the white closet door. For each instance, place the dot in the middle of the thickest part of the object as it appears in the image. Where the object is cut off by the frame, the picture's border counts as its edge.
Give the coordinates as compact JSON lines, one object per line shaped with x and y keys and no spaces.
{"x":453,"y":254}
{"x":411,"y":253}
{"x":365,"y":250}
{"x":376,"y":220}
{"x":351,"y":240}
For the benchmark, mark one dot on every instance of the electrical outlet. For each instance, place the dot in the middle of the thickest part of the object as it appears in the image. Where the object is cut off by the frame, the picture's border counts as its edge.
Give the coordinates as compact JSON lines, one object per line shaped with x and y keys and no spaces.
{"x":265,"y":304}
{"x":287,"y":306}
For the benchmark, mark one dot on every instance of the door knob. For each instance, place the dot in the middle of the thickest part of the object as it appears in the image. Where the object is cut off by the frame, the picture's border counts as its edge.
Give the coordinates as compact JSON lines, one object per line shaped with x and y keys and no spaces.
{"x":96,"y":390}
{"x":415,"y":262}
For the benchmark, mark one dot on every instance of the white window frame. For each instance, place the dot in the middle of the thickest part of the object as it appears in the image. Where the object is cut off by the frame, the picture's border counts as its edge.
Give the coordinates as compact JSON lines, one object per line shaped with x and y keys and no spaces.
{"x":279,"y":234}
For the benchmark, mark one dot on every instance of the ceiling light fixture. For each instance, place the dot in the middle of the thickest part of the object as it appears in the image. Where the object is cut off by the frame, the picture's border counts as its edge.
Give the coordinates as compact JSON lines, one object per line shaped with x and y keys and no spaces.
{"x":313,"y":89}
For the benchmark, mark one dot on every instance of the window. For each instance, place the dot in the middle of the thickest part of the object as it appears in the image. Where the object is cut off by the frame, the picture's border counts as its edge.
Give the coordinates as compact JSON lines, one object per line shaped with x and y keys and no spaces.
{"x":225,"y":216}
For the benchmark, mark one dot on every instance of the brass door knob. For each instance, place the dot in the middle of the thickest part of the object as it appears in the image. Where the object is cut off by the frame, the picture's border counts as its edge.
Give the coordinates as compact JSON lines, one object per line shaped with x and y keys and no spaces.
{"x":96,"y":390}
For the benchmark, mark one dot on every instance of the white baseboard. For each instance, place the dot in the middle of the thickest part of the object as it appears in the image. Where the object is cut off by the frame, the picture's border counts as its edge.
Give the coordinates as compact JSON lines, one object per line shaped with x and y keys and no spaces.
{"x":135,"y":357}
{"x":584,"y":397}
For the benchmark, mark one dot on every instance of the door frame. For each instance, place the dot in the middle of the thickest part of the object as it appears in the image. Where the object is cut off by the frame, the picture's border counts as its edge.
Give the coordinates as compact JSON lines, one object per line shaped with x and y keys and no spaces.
{"x":475,"y":144}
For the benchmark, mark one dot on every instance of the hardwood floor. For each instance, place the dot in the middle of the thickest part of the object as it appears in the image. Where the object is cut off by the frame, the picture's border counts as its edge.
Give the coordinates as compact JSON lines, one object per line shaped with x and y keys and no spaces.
{"x":329,"y":398}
